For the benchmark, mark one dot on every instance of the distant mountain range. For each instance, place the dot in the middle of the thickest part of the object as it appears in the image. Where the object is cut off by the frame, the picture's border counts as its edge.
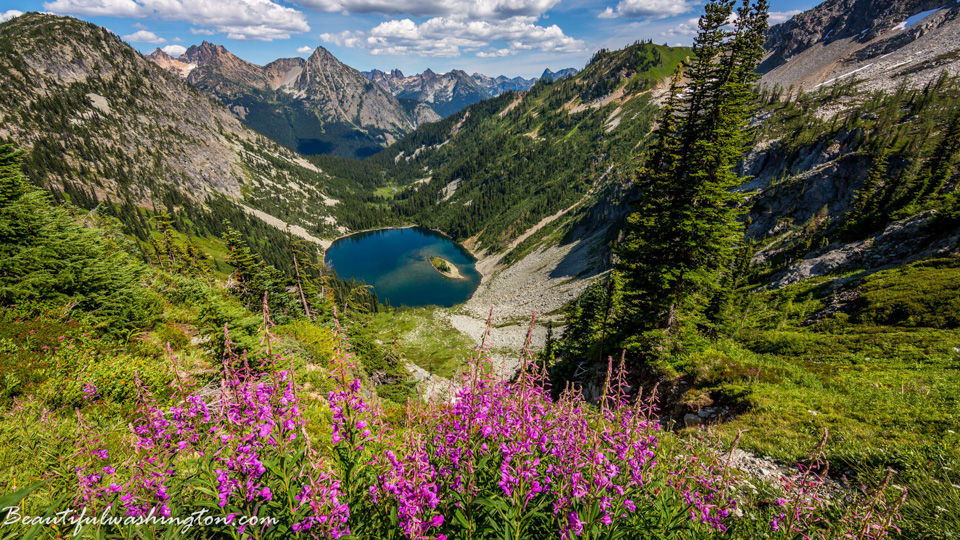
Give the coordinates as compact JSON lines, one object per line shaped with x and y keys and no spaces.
{"x":448,"y":93}
{"x":322,"y":106}
{"x":315,"y":106}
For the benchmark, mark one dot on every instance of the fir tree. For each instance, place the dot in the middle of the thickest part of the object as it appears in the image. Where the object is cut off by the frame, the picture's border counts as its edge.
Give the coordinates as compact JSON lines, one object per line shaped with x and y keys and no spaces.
{"x":684,"y":230}
{"x":47,"y":255}
{"x":866,"y":204}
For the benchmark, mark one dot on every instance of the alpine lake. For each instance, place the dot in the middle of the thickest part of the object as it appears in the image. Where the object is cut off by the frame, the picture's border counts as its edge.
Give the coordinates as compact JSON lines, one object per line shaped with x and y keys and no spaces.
{"x":396,"y":263}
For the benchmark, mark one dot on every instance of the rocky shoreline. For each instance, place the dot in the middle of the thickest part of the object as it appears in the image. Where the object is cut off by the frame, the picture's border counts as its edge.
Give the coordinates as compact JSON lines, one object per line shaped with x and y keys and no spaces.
{"x":543,"y":282}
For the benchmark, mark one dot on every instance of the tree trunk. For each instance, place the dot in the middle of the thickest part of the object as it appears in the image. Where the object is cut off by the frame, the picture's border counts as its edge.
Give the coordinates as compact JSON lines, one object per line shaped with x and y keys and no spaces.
{"x":303,"y":298}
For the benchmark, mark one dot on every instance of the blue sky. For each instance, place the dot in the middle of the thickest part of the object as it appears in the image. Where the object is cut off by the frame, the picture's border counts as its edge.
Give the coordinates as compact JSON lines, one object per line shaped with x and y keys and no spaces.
{"x":494,"y":37}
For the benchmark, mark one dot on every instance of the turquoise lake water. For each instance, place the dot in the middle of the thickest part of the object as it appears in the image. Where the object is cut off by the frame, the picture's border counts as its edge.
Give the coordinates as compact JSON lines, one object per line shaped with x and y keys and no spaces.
{"x":396,"y":262}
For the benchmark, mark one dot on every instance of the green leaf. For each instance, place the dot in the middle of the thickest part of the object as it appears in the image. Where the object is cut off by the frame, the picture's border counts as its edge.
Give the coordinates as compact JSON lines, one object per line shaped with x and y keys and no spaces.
{"x":14,"y":499}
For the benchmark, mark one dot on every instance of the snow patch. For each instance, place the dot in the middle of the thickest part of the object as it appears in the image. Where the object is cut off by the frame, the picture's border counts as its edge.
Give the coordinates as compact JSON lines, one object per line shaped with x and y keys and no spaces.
{"x":842,"y":76}
{"x":914,"y":19}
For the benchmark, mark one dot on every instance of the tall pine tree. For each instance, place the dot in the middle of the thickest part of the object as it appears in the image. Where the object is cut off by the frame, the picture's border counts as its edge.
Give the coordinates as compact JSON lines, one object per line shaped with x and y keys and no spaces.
{"x":682,"y":235}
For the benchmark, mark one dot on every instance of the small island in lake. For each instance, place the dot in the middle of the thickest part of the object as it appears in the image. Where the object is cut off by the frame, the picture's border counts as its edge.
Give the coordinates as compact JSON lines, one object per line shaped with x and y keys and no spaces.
{"x":445,"y":267}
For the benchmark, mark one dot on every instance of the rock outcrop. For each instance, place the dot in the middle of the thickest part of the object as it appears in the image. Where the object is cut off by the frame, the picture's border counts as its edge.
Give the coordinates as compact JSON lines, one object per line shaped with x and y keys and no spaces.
{"x":884,"y":42}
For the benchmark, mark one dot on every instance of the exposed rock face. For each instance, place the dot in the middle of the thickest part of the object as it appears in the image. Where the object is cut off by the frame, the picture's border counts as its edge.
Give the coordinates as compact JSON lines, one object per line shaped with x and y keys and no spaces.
{"x":318,"y":91}
{"x":283,"y":72}
{"x":171,"y":64}
{"x":822,"y":178}
{"x":899,"y":243}
{"x":886,"y":42}
{"x":340,"y":92}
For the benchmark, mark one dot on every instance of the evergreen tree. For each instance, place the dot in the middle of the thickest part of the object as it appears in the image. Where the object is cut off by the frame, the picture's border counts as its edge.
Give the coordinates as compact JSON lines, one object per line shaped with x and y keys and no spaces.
{"x":682,"y":234}
{"x":254,"y":278}
{"x":940,"y":165}
{"x":866,"y":204}
{"x":47,"y":255}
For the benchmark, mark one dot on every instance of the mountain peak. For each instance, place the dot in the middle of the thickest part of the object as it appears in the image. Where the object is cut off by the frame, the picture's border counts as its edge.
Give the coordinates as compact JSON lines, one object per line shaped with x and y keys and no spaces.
{"x":159,"y":55}
{"x":549,"y":75}
{"x":204,"y":53}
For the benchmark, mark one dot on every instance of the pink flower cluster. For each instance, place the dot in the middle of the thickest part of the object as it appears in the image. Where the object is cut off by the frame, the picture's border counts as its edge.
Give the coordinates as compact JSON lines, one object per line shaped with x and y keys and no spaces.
{"x":508,"y":440}
{"x":327,"y":513}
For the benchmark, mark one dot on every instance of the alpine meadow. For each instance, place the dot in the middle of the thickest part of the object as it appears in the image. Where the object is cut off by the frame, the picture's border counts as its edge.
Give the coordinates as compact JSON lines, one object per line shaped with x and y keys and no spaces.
{"x":678,"y":292}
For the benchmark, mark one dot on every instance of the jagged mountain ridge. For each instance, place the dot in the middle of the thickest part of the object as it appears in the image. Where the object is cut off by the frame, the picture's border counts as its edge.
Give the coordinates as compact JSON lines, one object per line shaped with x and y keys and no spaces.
{"x":500,"y":84}
{"x":317,"y":105}
{"x":885,"y":43}
{"x":446,"y":93}
{"x":449,"y":92}
{"x":100,"y":122}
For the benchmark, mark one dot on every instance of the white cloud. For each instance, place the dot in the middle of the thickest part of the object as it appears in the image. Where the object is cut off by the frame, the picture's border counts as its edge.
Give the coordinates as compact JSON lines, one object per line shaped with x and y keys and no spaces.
{"x":472,"y":9}
{"x":174,"y":50}
{"x":777,"y":17}
{"x":9,"y":14}
{"x":140,"y":26}
{"x":688,"y":28}
{"x":449,"y":37}
{"x":648,"y":9}
{"x":202,"y":32}
{"x":305,"y":50}
{"x":494,"y":54}
{"x":253,"y":20}
{"x":144,"y":36}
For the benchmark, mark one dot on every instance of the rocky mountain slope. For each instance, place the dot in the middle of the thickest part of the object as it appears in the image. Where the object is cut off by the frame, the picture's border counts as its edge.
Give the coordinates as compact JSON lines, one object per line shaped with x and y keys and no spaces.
{"x":446,"y":93}
{"x":814,"y":210}
{"x":449,"y":92}
{"x":881,"y":81}
{"x":101,"y":124}
{"x":884,"y":43}
{"x":315,"y":106}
